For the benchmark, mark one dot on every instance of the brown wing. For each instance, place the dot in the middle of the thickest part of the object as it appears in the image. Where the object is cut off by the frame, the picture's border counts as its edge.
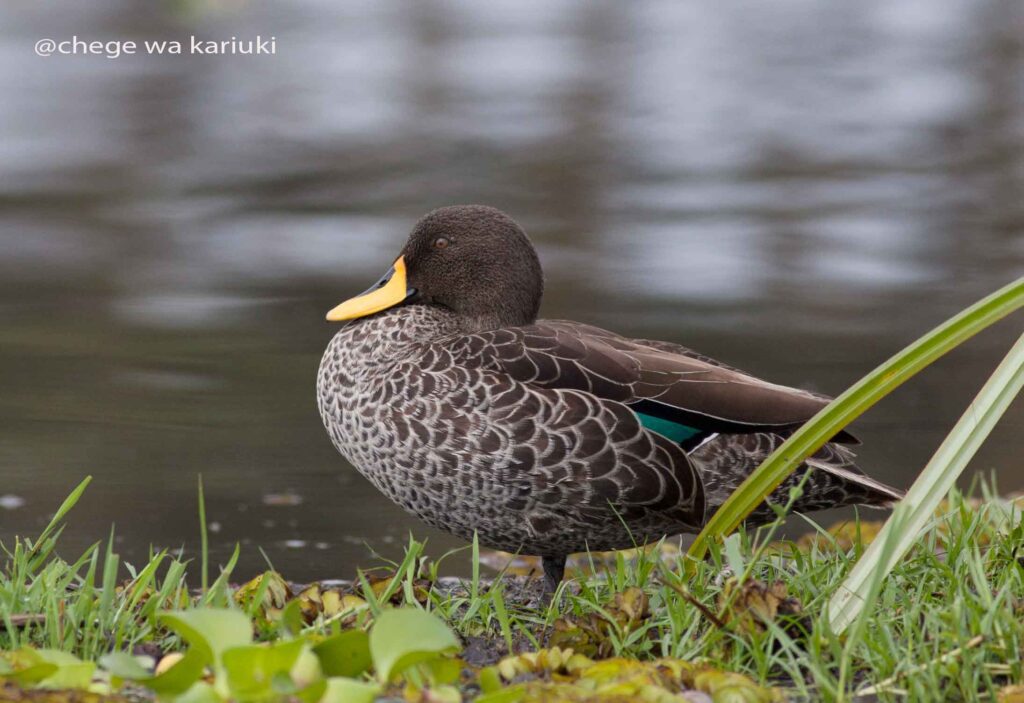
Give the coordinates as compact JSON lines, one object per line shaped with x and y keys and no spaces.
{"x":655,"y":378}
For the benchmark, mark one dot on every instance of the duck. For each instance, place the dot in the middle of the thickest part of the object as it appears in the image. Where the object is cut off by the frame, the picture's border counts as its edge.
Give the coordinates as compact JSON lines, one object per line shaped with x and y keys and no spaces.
{"x":548,"y":437}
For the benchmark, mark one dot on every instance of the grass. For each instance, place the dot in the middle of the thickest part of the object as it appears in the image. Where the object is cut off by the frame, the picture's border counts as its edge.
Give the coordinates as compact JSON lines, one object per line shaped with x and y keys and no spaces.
{"x":949,"y":623}
{"x":934,"y":610}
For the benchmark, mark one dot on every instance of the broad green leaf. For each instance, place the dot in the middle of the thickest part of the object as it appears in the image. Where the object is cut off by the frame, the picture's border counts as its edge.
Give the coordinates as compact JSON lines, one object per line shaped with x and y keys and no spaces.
{"x":306,"y":670}
{"x":345,"y":654}
{"x":49,"y":668}
{"x":125,"y":666}
{"x":850,"y":405}
{"x":180,"y":677}
{"x":341,"y":690}
{"x":210,"y":630}
{"x":401,"y":638}
{"x":199,"y":692}
{"x":511,"y":694}
{"x":68,"y":670}
{"x":32,"y":675}
{"x":173,"y":682}
{"x":312,"y":693}
{"x":27,"y":667}
{"x":55,"y":656}
{"x":70,"y":676}
{"x":442,"y":672}
{"x":490,"y":679}
{"x":255,"y":672}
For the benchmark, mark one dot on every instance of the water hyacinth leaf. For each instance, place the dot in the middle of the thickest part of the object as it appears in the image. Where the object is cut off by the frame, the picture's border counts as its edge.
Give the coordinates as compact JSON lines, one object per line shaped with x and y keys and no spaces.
{"x":125,"y":666}
{"x":306,"y":670}
{"x":489,"y":679}
{"x":256,"y":671}
{"x":344,"y":654}
{"x":54,"y":669}
{"x":849,"y":406}
{"x":209,"y":630}
{"x":70,"y":676}
{"x":199,"y":692}
{"x":935,"y":481}
{"x":511,"y":694}
{"x":442,"y":672}
{"x":175,"y":681}
{"x":181,"y":676}
{"x":312,"y":693}
{"x":33,"y":674}
{"x":26,"y":667}
{"x":402,"y":638}
{"x":341,"y":690}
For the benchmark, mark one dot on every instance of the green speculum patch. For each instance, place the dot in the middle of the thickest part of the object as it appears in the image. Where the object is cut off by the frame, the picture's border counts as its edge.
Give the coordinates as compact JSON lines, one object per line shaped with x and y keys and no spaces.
{"x":673,"y":430}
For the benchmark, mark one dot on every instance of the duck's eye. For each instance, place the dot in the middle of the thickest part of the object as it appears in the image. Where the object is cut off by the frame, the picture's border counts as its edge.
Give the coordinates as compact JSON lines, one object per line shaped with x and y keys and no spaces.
{"x":441,"y":243}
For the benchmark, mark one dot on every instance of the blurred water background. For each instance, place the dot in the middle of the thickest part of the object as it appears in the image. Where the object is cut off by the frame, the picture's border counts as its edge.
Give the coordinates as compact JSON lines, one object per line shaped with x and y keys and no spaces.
{"x":799,"y":189}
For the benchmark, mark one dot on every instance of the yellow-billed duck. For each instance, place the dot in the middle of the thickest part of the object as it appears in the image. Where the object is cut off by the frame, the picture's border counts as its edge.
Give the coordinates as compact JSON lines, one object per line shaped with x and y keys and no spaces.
{"x":547,"y":437}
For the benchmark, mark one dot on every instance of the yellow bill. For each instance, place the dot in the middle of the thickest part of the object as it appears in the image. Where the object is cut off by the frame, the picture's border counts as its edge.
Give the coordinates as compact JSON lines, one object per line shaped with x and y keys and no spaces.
{"x":389,"y":291}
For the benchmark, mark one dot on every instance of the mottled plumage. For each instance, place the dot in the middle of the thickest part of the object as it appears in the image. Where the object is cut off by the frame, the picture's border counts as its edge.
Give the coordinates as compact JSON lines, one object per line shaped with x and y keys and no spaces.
{"x":546,"y":437}
{"x":441,"y":429}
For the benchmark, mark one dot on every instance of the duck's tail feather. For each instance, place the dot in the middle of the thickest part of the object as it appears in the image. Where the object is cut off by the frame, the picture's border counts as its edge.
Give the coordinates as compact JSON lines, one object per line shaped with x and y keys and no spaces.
{"x":880,"y":495}
{"x":725,"y":460}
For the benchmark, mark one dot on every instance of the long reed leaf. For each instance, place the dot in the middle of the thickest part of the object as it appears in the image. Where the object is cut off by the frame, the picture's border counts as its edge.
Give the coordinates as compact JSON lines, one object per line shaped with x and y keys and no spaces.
{"x":850,"y":405}
{"x":914,"y":511}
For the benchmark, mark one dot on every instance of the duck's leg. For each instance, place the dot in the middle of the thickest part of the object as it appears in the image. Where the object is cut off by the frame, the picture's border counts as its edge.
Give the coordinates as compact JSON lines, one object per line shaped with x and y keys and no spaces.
{"x":554,"y":571}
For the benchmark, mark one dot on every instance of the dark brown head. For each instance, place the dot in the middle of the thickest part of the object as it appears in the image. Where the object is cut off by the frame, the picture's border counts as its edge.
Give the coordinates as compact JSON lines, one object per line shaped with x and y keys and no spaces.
{"x":471,"y":259}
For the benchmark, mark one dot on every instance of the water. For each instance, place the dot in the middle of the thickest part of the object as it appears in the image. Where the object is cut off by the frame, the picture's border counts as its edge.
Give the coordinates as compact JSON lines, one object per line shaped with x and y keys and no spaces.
{"x":799,"y":190}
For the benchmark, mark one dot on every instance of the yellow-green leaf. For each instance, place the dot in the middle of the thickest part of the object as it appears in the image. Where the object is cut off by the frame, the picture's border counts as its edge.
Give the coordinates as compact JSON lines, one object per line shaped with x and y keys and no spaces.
{"x":401,"y":638}
{"x":345,"y":654}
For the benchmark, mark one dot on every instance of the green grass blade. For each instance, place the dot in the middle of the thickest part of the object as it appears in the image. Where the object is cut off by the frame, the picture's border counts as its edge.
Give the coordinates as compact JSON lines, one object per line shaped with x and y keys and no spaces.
{"x":501,"y":613}
{"x":218,"y":595}
{"x":931,"y":486}
{"x":851,"y":404}
{"x":111,"y":564}
{"x":204,"y":540}
{"x":474,"y":589}
{"x":64,"y":509}
{"x":887,"y":544}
